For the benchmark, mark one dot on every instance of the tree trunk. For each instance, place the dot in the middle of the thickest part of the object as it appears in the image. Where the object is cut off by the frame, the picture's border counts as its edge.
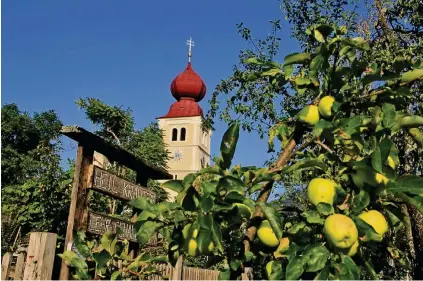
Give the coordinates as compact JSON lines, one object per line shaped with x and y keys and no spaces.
{"x":416,"y":219}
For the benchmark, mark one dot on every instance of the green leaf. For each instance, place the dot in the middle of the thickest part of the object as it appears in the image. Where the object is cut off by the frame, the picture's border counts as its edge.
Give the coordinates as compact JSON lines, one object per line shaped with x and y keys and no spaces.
{"x":142,"y":203}
{"x":344,"y":50}
{"x":323,"y":274}
{"x":302,"y":81}
{"x":217,"y":236}
{"x":115,"y":275}
{"x":188,"y":180}
{"x":101,"y":258}
{"x":317,"y":64}
{"x":253,"y":61}
{"x":296,"y":227}
{"x":206,"y":203}
{"x":377,"y":163}
{"x":81,"y":246}
{"x":361,"y":201}
{"x":274,"y":270}
{"x":320,"y":126}
{"x":416,"y":201}
{"x":224,"y":274}
{"x":297,"y":58}
{"x":313,"y":216}
{"x":324,"y":29}
{"x":228,"y":145}
{"x":318,"y":255}
{"x":319,"y":36}
{"x":409,"y":184}
{"x":348,"y":269}
{"x":411,"y":121}
{"x":389,"y":115}
{"x":273,"y":217}
{"x":395,"y":216}
{"x":249,"y":256}
{"x":228,"y":184}
{"x":73,"y":260}
{"x":412,"y":75}
{"x":358,"y":42}
{"x":272,"y":72}
{"x":175,"y":185}
{"x":288,"y":69}
{"x":108,"y":241}
{"x":145,"y":230}
{"x":325,"y":208}
{"x":417,"y":136}
{"x":304,"y":164}
{"x":370,"y":270}
{"x":295,"y":268}
{"x":209,"y":187}
{"x":204,"y":239}
{"x":211,"y":170}
{"x":367,"y":230}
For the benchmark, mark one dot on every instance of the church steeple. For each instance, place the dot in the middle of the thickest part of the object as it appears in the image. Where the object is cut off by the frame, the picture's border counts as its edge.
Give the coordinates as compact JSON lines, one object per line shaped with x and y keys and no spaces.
{"x":188,"y":89}
{"x":187,"y":141}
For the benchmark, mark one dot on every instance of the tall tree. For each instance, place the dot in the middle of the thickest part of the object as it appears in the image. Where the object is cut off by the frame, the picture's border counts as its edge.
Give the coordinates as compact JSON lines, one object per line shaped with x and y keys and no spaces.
{"x":117,"y":125}
{"x":35,"y":189}
{"x":393,"y":30}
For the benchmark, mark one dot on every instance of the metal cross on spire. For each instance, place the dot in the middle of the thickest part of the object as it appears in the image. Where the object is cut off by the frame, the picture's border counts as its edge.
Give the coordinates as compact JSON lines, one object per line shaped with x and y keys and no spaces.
{"x":190,"y":44}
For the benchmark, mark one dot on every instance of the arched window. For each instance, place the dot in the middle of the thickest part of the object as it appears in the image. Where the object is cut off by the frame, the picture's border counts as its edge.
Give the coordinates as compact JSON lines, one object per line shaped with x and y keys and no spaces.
{"x":174,"y":134}
{"x":183,"y":134}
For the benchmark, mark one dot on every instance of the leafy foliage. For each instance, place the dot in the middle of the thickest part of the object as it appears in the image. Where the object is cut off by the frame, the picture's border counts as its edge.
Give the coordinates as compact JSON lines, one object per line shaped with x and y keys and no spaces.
{"x":33,"y":181}
{"x":109,"y":259}
{"x":352,"y":146}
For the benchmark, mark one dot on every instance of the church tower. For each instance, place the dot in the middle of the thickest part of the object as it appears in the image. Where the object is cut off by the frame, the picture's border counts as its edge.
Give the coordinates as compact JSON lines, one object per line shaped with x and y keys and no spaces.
{"x":187,"y":141}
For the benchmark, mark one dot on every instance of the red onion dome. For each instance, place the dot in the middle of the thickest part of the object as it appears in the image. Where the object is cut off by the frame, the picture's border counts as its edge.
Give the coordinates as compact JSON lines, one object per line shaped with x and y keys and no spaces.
{"x":188,"y":84}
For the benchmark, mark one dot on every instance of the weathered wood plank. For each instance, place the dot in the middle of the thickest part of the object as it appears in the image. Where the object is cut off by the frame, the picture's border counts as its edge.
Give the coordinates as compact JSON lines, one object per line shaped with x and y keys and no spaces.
{"x":5,"y":266}
{"x":111,"y":184}
{"x":79,"y":199}
{"x":177,"y":270}
{"x":19,"y":267}
{"x":99,"y":224}
{"x":40,"y":256}
{"x":114,"y":153}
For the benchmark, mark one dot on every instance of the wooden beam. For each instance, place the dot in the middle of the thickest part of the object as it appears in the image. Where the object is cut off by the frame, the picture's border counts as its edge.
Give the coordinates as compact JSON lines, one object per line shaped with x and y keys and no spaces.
{"x":5,"y":266}
{"x":40,"y":256}
{"x":177,"y":270}
{"x":19,"y":267}
{"x":115,"y":153}
{"x":78,"y":210}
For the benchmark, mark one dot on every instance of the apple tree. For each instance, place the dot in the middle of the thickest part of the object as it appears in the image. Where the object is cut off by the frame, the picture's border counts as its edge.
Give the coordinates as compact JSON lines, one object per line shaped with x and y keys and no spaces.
{"x":344,"y":139}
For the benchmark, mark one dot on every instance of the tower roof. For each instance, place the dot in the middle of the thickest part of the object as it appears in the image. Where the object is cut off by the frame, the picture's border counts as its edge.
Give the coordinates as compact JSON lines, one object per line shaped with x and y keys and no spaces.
{"x":188,"y":89}
{"x":188,"y":84}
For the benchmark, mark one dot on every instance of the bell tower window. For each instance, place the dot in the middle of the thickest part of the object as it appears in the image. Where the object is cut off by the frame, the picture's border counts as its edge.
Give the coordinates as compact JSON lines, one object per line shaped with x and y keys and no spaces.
{"x":183,"y":134}
{"x":174,"y":134}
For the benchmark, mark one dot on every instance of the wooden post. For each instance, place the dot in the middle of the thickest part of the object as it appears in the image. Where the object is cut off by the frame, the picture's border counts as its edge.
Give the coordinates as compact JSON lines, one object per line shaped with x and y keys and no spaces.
{"x":40,"y":256}
{"x":177,"y":270}
{"x":78,"y":211}
{"x":5,"y":266}
{"x":248,"y":274}
{"x":19,"y":267}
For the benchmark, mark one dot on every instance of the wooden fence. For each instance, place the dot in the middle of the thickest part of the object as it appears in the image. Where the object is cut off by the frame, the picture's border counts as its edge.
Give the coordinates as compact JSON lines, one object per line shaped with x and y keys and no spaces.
{"x":192,"y":273}
{"x":36,"y":263}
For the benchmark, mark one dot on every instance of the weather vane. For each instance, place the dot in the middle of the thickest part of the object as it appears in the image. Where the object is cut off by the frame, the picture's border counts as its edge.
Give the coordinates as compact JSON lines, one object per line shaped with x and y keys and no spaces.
{"x":190,"y":44}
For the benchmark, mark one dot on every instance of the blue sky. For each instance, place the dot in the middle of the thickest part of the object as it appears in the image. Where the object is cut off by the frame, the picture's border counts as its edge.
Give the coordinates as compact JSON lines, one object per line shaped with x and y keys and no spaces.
{"x":125,"y":53}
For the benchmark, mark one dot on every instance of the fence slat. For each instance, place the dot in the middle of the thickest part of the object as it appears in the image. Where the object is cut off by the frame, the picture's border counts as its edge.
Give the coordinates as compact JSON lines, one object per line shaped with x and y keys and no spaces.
{"x":40,"y":256}
{"x":19,"y":267}
{"x":5,"y":266}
